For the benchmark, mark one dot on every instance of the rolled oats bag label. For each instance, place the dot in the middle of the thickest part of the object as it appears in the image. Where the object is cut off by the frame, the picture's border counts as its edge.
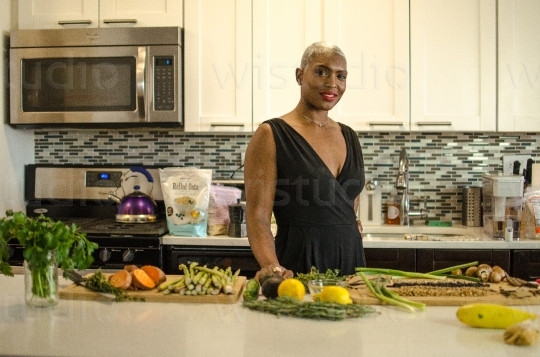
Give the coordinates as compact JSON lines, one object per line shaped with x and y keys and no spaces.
{"x":186,"y":192}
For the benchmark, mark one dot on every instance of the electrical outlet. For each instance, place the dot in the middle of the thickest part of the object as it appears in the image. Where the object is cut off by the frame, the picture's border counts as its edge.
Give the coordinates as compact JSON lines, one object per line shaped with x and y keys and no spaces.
{"x":508,"y":163}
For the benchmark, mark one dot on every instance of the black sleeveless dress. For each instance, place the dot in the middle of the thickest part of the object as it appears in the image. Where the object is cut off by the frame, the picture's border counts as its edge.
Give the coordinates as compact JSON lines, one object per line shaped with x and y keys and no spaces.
{"x":314,"y":210}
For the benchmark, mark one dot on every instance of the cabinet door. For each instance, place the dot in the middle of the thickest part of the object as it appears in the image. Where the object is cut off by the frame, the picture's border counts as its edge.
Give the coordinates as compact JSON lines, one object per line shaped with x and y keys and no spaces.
{"x":374,"y":35}
{"x":143,"y":13}
{"x":374,"y":38}
{"x":50,"y":14}
{"x":453,"y":65}
{"x":217,"y":73}
{"x":519,"y":65}
{"x":282,"y":29}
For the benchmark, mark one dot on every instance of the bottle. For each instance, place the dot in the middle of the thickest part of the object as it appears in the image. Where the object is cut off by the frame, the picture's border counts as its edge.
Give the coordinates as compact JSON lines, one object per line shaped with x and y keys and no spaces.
{"x":392,"y":210}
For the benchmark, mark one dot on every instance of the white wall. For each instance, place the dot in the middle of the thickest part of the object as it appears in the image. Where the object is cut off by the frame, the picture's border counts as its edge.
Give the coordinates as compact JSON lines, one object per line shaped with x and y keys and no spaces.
{"x":16,"y":146}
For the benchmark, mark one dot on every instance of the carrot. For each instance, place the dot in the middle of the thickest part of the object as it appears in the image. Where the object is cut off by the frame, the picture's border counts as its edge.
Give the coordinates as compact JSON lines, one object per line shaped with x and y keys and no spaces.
{"x":121,"y":279}
{"x":142,"y":280}
{"x":157,"y":275}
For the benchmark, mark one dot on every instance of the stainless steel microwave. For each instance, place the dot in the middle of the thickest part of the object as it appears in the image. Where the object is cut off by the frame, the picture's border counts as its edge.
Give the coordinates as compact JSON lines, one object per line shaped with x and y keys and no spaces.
{"x":97,"y":77}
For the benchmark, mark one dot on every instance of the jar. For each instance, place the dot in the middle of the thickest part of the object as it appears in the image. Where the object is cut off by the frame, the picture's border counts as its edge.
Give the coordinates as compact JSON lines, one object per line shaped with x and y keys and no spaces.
{"x":41,"y":282}
{"x":392,"y":211}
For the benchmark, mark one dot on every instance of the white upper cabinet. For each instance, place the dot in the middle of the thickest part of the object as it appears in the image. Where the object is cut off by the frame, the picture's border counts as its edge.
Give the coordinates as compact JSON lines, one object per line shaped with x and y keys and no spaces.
{"x":453,"y":65}
{"x":48,"y":14}
{"x":143,"y":13}
{"x":519,"y":66}
{"x":372,"y":34}
{"x":217,"y":73}
{"x":282,"y":29}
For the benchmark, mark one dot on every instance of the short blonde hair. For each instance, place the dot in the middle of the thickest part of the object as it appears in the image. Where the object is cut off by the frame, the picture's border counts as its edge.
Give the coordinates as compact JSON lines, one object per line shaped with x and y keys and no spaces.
{"x":319,"y":48}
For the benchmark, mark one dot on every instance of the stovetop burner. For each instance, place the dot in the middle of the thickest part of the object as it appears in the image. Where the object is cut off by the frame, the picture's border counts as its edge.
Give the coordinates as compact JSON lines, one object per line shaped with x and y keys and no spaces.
{"x":110,"y":227}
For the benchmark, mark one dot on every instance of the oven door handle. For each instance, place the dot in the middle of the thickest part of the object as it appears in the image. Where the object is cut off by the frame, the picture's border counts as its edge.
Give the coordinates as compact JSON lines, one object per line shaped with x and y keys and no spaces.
{"x":140,"y":77}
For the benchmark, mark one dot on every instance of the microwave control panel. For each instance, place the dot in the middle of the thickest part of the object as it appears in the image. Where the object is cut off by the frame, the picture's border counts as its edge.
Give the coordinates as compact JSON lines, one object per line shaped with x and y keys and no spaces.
{"x":164,"y":83}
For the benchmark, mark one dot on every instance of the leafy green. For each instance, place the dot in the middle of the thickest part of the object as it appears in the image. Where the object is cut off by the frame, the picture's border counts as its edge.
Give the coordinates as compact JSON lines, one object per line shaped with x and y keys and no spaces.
{"x":314,"y":274}
{"x":39,"y":236}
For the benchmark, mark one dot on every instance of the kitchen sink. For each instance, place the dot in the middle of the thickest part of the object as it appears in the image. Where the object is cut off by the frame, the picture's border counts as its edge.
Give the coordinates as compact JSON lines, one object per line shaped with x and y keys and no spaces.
{"x":419,"y":233}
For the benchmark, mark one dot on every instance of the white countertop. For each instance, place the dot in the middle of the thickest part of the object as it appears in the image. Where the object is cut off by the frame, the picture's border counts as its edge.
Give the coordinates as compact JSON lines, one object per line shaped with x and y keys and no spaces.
{"x":387,"y":236}
{"x":93,"y":328}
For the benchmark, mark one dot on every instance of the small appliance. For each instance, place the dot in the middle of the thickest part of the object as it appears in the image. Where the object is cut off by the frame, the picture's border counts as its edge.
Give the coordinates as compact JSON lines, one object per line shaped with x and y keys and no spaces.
{"x":96,"y":77}
{"x":502,"y":203}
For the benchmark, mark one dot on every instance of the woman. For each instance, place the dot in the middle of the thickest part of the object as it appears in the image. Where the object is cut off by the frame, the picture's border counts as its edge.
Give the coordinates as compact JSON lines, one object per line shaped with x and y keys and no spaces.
{"x":308,"y":170}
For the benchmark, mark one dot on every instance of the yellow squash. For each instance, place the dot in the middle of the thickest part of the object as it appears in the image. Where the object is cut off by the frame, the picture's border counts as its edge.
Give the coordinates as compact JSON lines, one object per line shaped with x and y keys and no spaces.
{"x":492,"y":315}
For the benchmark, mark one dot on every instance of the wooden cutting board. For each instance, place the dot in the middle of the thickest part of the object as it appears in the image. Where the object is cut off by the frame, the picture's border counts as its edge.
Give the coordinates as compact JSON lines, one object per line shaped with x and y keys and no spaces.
{"x":365,"y":297}
{"x":77,"y":292}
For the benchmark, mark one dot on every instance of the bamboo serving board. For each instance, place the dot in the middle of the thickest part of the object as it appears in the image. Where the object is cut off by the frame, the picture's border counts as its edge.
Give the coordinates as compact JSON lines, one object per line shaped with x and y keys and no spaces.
{"x":77,"y":292}
{"x":365,"y":297}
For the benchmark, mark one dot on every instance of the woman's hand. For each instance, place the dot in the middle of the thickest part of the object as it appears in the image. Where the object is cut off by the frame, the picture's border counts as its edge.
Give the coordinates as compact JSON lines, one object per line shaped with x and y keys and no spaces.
{"x":360,"y":228}
{"x":274,"y":269}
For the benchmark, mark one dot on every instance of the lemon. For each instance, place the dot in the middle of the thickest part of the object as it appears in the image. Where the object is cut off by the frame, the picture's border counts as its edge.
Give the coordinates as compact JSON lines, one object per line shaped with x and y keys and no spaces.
{"x":491,"y":315}
{"x":292,"y":287}
{"x":334,"y":294}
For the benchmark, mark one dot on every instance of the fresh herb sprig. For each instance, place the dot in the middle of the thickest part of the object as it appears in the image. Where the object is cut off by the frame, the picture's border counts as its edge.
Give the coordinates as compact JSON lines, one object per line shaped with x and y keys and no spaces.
{"x":287,"y":306}
{"x":99,"y":282}
{"x":314,"y":274}
{"x":39,"y":236}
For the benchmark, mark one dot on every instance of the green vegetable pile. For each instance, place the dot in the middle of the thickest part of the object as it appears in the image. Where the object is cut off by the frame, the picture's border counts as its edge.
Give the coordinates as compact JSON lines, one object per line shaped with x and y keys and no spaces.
{"x":39,"y":236}
{"x":201,"y":280}
{"x":288,"y":306}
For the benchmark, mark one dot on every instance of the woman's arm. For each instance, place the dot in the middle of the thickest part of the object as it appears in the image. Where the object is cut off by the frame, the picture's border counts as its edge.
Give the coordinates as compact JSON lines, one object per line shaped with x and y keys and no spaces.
{"x":260,"y":176}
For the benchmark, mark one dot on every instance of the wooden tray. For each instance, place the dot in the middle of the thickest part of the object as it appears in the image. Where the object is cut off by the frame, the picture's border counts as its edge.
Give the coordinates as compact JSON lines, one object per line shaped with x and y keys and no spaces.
{"x":77,"y":292}
{"x":365,"y":297}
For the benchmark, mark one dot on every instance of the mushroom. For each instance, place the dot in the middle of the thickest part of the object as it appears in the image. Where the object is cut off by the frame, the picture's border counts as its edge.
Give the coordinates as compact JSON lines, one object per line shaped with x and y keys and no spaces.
{"x":498,"y":269}
{"x":495,"y":277}
{"x":456,"y":272}
{"x":472,"y":271}
{"x":484,"y":272}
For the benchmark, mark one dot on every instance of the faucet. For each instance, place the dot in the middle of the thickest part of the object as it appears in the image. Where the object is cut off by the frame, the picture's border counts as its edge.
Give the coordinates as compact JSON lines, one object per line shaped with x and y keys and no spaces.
{"x":402,"y":184}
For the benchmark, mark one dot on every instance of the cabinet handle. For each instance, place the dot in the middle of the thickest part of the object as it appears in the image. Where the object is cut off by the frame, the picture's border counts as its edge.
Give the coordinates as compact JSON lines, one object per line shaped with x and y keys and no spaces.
{"x":227,"y":124}
{"x":385,"y":123}
{"x":140,"y":75}
{"x":120,"y":21}
{"x":75,"y":22}
{"x":436,"y":123}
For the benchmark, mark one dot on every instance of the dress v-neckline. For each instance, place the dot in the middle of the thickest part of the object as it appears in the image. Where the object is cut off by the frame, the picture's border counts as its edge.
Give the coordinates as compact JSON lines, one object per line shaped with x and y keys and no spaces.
{"x":315,"y":154}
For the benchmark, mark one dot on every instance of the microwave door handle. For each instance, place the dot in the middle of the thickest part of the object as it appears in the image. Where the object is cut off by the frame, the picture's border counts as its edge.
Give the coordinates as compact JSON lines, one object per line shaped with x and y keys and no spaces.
{"x":140,"y":77}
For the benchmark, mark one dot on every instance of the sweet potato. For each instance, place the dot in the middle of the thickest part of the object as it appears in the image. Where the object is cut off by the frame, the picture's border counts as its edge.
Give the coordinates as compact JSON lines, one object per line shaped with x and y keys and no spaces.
{"x":141,"y":280}
{"x":121,"y":279}
{"x":157,"y":275}
{"x":130,"y":268}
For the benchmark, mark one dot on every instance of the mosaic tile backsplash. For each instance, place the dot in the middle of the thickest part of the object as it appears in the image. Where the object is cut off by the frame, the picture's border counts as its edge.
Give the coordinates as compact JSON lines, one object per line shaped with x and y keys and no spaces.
{"x":440,"y":164}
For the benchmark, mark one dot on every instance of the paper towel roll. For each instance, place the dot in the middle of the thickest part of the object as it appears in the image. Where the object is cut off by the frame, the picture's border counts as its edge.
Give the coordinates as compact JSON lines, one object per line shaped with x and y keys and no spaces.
{"x":535,"y":176}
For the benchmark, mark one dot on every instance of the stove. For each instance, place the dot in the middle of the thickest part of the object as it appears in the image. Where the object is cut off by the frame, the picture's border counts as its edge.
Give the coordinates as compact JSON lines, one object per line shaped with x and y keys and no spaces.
{"x":67,"y":194}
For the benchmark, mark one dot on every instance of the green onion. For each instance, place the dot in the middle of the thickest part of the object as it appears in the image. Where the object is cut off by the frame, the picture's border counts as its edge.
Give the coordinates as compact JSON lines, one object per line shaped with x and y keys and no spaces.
{"x":450,"y":269}
{"x":377,"y":292}
{"x":394,"y":272}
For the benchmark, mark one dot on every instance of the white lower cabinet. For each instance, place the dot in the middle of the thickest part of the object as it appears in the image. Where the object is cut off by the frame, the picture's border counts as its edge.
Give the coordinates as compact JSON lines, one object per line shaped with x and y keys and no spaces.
{"x":519,"y":66}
